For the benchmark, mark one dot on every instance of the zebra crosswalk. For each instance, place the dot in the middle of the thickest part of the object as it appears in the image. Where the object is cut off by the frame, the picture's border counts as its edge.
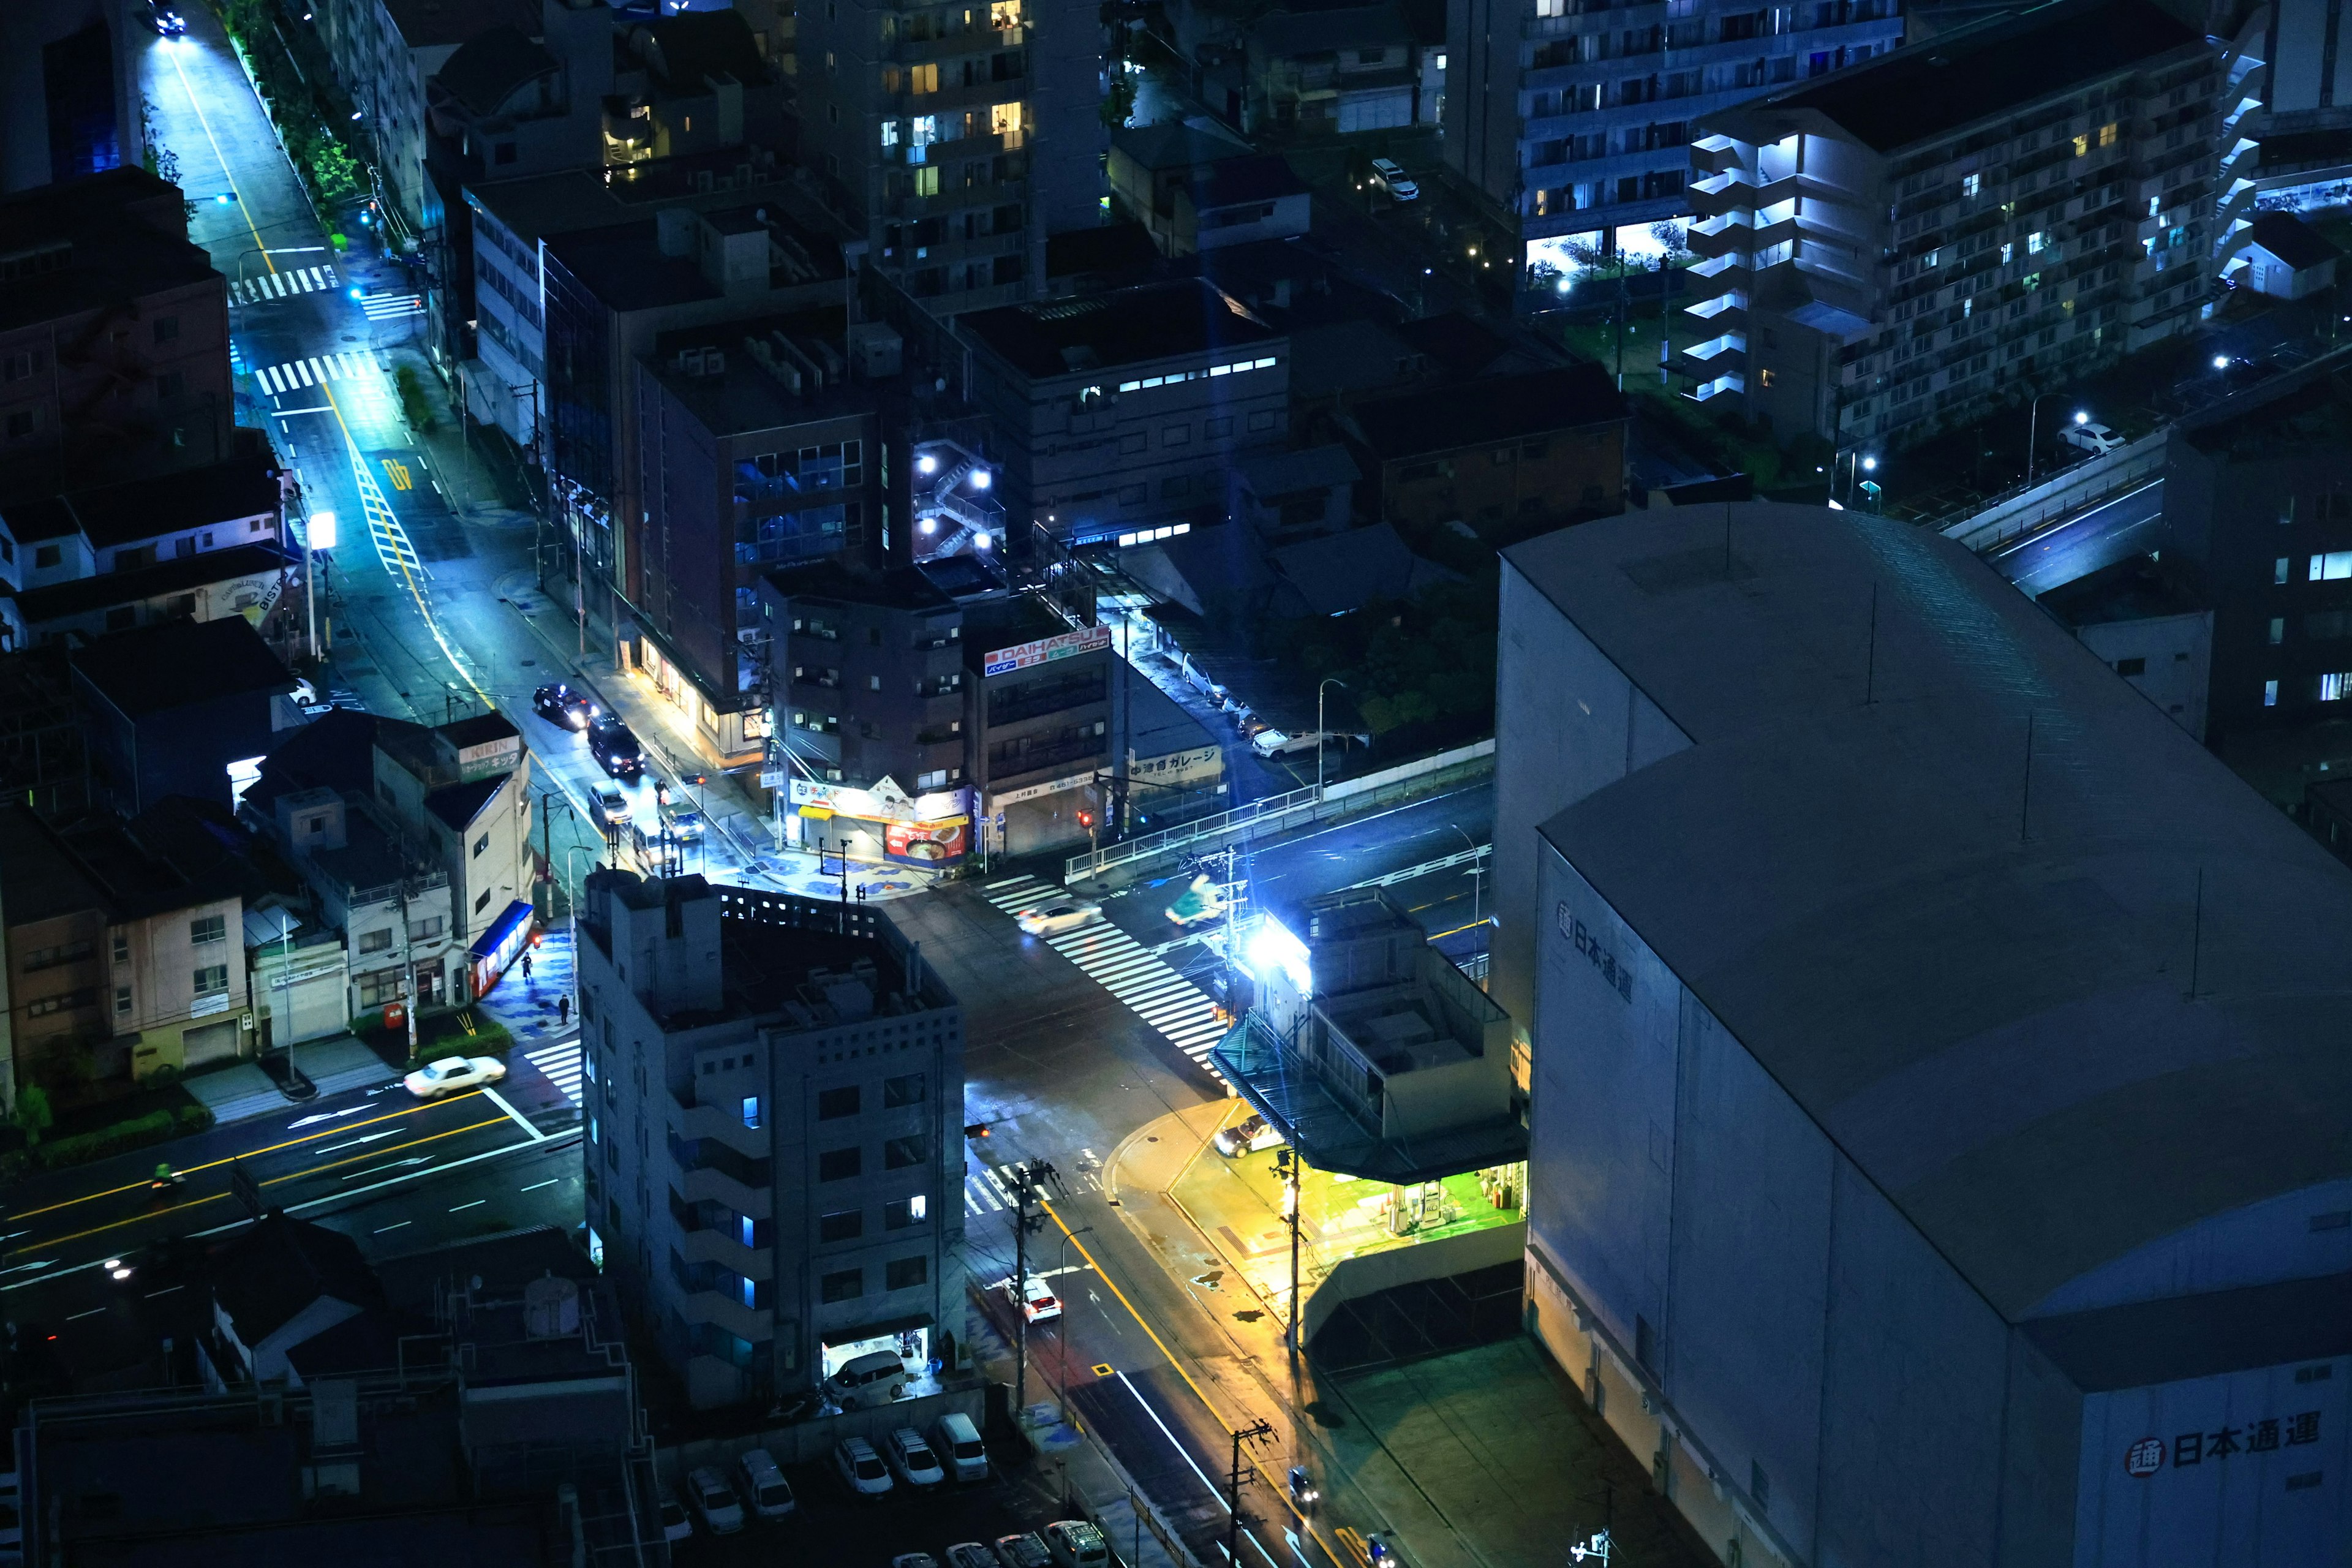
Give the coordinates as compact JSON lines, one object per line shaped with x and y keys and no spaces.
{"x":1123,"y":966}
{"x":295,"y":374}
{"x":391,"y":307}
{"x":560,"y":1064}
{"x":986,"y":1192}
{"x":281,"y":285}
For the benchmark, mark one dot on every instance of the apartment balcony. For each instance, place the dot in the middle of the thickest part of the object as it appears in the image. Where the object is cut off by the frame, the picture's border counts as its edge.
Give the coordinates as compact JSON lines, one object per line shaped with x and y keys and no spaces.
{"x":719,"y":1125}
{"x":1716,"y":154}
{"x":955,"y":46}
{"x":1727,"y":271}
{"x":1718,"y":386}
{"x":1726,"y":234}
{"x":1724,"y":313}
{"x":719,"y":1187}
{"x":1718,"y":355}
{"x":721,"y":1310}
{"x":716,"y":1247}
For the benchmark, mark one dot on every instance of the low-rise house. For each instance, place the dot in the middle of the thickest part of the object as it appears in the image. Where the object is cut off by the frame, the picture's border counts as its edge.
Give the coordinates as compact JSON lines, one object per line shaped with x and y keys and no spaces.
{"x":1500,"y":450}
{"x":2284,"y":257}
{"x":1342,"y":69}
{"x":461,"y":793}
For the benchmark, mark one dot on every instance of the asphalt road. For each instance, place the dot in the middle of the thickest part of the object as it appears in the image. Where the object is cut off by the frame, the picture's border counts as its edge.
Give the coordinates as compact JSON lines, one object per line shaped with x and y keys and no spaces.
{"x":2130,"y":524}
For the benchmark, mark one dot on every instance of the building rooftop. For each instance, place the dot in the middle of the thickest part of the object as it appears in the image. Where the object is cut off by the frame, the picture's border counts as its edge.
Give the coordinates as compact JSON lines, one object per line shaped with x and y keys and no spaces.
{"x":1262,"y":177}
{"x":2135,"y":589}
{"x":180,"y":575}
{"x":39,"y":880}
{"x":1173,"y":144}
{"x":335,"y":751}
{"x":2306,"y":409}
{"x":1491,"y":408}
{"x":903,"y":588}
{"x":684,"y":51}
{"x":1288,"y":33}
{"x":491,"y":66}
{"x":624,"y":265}
{"x":101,"y":240}
{"x":234,"y":489}
{"x":745,"y":395}
{"x":1150,"y":321}
{"x":180,"y":663}
{"x":1983,"y":71}
{"x":2292,"y":240}
{"x":440,"y":24}
{"x":1970,"y":962}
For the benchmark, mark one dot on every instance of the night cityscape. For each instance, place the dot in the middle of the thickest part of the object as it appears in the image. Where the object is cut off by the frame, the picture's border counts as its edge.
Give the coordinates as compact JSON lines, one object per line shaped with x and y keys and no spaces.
{"x":1175,"y":784}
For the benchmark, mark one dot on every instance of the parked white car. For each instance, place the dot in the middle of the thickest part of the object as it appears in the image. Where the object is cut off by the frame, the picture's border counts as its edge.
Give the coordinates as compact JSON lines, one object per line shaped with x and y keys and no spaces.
{"x":2091,"y":437}
{"x":763,"y":1484}
{"x":677,"y":1525}
{"x":971,"y":1555}
{"x":452,"y":1074}
{"x":861,"y":1469}
{"x":955,"y":1439}
{"x":609,"y":803}
{"x":1075,"y":1543}
{"x":721,"y":1513}
{"x":1391,"y":176}
{"x":1247,"y":1136}
{"x":911,"y":1459}
{"x":1063,"y":914}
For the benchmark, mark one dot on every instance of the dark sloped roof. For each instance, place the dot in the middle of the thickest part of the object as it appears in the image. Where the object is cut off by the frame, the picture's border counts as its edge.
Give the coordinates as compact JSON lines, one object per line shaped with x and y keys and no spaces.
{"x":281,"y":1266}
{"x":1121,"y":248}
{"x":1461,"y":344}
{"x":44,"y":517}
{"x":1919,"y":93}
{"x":1258,"y":178}
{"x":2292,"y":240}
{"x":1497,"y":407}
{"x":335,"y":751}
{"x":491,"y":65}
{"x":180,"y":663}
{"x":38,"y":878}
{"x":458,"y":805}
{"x":179,"y":575}
{"x":1126,"y":326}
{"x":232,"y":490}
{"x":1173,"y":144}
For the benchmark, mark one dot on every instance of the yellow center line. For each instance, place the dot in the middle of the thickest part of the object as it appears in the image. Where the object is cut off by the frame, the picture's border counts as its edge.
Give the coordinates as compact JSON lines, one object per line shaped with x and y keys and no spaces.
{"x":408,"y":577}
{"x":290,"y":1176}
{"x":243,"y":211}
{"x":249,"y":1153}
{"x":1071,"y":1236}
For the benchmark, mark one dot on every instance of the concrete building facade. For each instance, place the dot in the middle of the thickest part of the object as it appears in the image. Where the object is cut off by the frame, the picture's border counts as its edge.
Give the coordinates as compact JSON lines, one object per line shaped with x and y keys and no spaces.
{"x":1570,"y":118}
{"x":1901,"y":247}
{"x":1908,"y":995}
{"x":773,"y":1160}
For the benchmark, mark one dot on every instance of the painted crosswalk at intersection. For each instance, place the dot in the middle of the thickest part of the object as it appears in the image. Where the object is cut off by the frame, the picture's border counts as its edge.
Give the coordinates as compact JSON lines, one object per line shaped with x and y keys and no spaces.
{"x":295,"y":374}
{"x":282,"y":285}
{"x":1171,"y":1003}
{"x":560,"y":1064}
{"x":391,"y":307}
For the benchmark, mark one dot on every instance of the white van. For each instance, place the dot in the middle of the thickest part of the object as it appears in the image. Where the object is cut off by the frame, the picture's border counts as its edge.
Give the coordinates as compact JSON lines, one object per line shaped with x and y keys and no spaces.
{"x":957,"y":1442}
{"x":871,"y":1379}
{"x":763,"y":1484}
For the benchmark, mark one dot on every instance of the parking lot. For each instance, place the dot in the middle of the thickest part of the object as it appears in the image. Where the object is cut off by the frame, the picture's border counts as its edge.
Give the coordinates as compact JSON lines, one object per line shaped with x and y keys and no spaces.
{"x":828,"y":1525}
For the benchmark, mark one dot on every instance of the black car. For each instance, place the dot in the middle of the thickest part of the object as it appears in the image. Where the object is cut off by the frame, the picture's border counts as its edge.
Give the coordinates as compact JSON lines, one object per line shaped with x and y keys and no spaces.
{"x":562,"y":705}
{"x":613,"y":746}
{"x":166,"y":21}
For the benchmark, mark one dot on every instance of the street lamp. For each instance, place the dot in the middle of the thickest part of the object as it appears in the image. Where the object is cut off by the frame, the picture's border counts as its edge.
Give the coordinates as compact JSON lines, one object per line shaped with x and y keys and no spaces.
{"x":318,"y":535}
{"x":1477,"y":876}
{"x":2032,"y":429}
{"x":1329,"y":680}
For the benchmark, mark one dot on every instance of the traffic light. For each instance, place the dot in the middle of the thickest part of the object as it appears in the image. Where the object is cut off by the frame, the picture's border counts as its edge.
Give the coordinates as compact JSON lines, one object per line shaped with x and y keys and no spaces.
{"x":1085,"y":820}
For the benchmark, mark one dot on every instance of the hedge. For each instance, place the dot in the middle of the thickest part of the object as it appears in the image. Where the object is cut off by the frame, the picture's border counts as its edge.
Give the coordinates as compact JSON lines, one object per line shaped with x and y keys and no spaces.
{"x":138,"y":1132}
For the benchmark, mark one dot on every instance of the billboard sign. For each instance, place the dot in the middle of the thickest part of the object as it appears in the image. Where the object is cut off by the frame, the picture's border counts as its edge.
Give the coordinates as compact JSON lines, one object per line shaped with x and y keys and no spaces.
{"x":1045,"y":650}
{"x":927,"y":843}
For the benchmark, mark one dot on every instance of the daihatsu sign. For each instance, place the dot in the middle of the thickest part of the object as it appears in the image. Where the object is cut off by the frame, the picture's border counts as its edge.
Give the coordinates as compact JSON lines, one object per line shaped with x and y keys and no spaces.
{"x":1045,"y":650}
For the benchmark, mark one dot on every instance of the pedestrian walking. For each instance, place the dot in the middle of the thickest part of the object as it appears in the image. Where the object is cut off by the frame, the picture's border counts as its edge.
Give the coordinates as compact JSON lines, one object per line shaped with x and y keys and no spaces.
{"x":526,"y":968}
{"x":562,"y":1011}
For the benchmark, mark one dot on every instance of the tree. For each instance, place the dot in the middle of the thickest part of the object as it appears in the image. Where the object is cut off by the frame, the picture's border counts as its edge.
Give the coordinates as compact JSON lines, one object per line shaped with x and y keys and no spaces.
{"x":33,"y":1113}
{"x":334,"y":170}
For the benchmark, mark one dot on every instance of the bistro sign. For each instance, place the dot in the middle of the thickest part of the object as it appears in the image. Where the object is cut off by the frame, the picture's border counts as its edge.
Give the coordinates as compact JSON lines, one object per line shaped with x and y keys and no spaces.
{"x":1045,"y":650}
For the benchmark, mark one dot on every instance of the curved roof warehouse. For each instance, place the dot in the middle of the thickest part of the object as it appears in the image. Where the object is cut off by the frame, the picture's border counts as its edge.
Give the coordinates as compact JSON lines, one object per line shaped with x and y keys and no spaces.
{"x":1942,"y":1066}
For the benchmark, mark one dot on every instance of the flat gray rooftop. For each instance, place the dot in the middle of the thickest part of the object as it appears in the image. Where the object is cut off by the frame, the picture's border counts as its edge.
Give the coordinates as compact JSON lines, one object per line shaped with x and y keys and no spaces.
{"x":1969,"y":957}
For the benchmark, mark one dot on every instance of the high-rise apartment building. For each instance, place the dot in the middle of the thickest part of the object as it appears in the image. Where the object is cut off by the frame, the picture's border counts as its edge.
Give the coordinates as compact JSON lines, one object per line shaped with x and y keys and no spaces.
{"x":1898,"y":249}
{"x":774,"y":1164}
{"x":1574,"y":115}
{"x":956,"y":137}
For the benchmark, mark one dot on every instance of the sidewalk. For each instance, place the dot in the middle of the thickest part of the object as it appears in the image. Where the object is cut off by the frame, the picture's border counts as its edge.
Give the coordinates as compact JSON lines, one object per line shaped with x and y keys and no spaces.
{"x":1485,"y":1456}
{"x":242,"y":1092}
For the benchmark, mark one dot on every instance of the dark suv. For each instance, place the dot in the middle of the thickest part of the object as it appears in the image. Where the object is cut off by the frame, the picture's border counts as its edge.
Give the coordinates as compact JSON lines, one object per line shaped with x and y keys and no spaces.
{"x":612,"y":745}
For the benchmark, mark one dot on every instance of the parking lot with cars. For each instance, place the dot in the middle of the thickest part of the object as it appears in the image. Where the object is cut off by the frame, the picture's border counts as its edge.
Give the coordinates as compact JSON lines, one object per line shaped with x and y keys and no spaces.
{"x":895,"y":1504}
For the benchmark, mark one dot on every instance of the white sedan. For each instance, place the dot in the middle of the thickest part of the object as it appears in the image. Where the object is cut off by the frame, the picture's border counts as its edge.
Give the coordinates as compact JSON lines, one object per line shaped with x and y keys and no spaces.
{"x":451,"y":1074}
{"x":1067,"y":914}
{"x":1039,"y":1302}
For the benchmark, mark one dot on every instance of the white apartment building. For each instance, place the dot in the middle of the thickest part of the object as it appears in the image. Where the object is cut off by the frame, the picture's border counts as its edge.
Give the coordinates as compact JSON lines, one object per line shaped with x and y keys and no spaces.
{"x":1900,"y":247}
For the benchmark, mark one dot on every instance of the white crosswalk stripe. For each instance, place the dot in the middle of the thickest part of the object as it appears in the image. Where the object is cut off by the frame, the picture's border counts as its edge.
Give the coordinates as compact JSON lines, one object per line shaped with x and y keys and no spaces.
{"x":560,"y":1063}
{"x":391,"y":307}
{"x":1128,"y":970}
{"x":282,"y":285}
{"x":296,"y":374}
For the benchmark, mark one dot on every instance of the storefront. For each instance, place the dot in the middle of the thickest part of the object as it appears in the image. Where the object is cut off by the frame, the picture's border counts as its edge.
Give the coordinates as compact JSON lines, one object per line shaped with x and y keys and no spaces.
{"x":1043,"y":815}
{"x":499,"y":945}
{"x":880,"y":825}
{"x":737,"y":733}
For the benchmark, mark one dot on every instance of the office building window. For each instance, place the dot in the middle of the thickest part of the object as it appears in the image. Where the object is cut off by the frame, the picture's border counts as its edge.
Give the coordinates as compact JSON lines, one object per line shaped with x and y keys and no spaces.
{"x":212,"y":979}
{"x":904,"y":1273}
{"x":2270,"y":693}
{"x":907,"y":1089}
{"x":838,"y":1164}
{"x":900,"y":1152}
{"x":846,"y":1286}
{"x":834,"y":1103}
{"x":904,"y":1212}
{"x":846,"y":1224}
{"x":751,"y":1110}
{"x":214,"y":928}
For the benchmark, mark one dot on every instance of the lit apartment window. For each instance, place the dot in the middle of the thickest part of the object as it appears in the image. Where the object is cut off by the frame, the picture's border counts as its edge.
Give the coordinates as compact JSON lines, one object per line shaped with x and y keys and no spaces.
{"x":923,"y":78}
{"x":2270,"y":693}
{"x":1971,"y":183}
{"x":2332,"y":687}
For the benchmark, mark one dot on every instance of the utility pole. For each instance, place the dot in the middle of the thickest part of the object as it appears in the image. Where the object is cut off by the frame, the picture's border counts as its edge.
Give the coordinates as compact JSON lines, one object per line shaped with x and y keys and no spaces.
{"x":1286,"y":1164}
{"x":1026,"y":1177}
{"x":1257,"y":1432}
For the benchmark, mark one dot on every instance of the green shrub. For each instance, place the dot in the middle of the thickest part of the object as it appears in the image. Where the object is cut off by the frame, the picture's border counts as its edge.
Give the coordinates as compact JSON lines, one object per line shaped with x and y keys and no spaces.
{"x":138,"y":1132}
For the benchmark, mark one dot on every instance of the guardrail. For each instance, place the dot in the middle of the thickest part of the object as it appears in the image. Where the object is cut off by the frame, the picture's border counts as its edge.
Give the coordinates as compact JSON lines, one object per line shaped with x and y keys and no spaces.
{"x":1281,"y":813}
{"x":2024,"y":511}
